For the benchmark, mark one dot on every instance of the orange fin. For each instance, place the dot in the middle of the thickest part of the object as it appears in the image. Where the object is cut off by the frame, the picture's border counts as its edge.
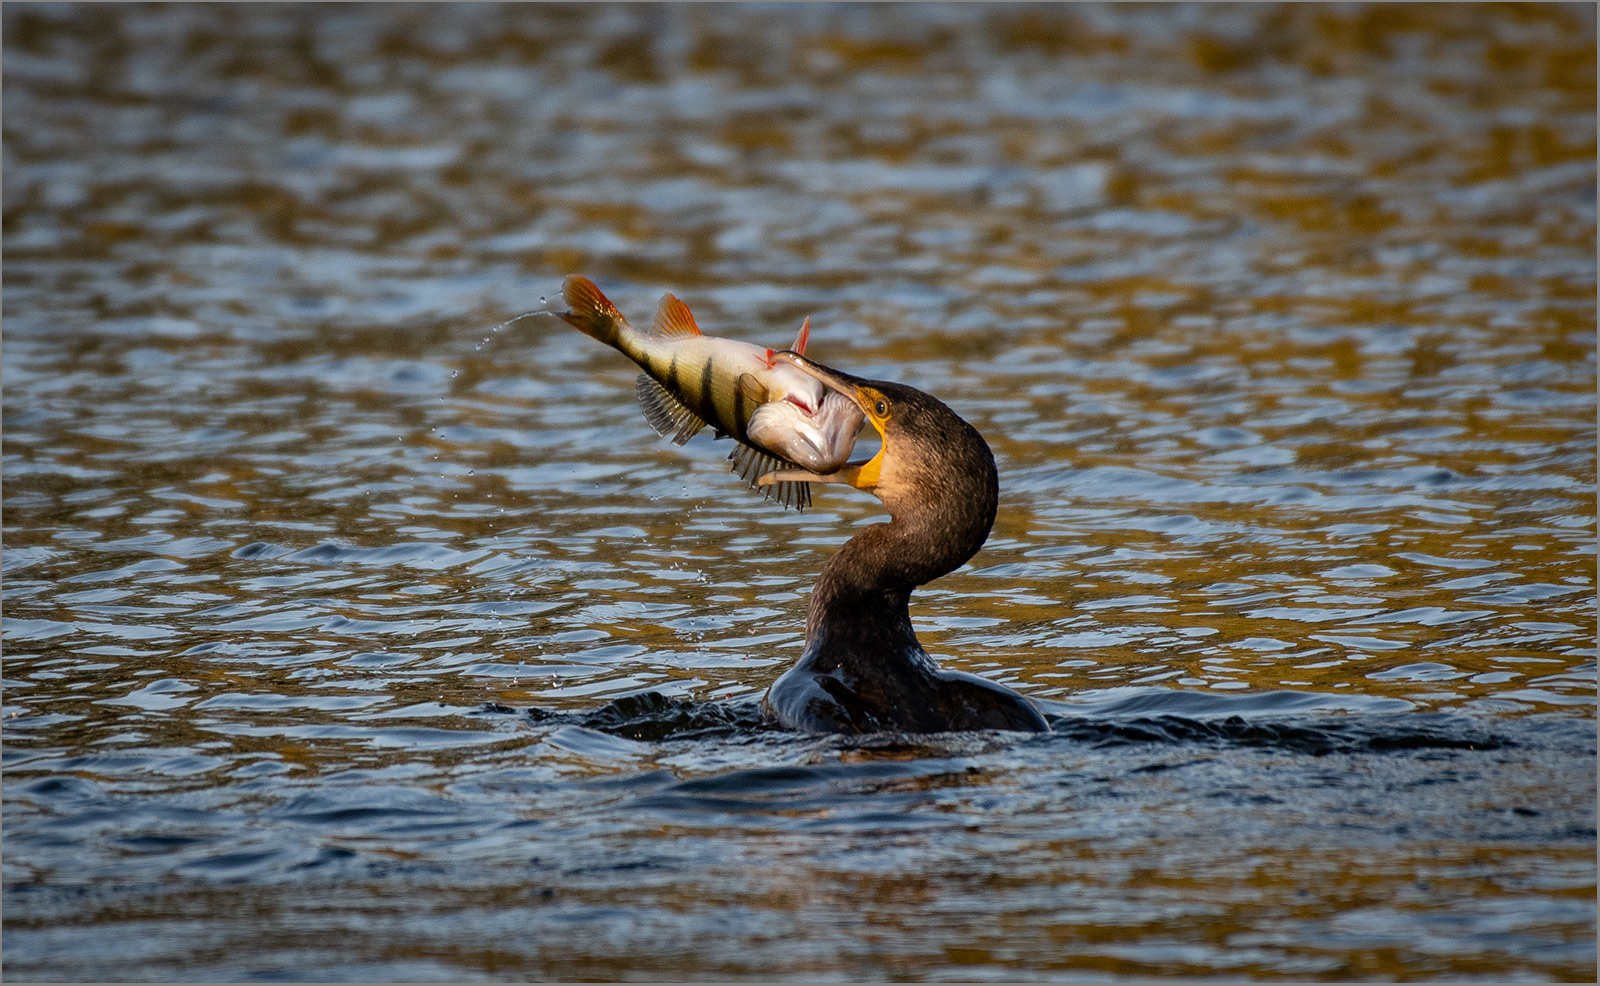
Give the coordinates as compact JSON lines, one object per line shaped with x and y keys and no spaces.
{"x":803,"y":338}
{"x":674,"y":320}
{"x":589,"y":311}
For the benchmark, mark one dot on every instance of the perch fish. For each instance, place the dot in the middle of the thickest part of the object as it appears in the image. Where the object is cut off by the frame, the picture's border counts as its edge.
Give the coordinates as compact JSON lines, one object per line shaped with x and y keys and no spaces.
{"x":779,"y":415}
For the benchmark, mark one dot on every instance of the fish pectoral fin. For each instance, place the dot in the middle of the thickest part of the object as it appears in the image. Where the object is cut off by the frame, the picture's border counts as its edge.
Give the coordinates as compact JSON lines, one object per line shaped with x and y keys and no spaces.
{"x":750,"y":464}
{"x":749,"y":394}
{"x":666,"y":414}
{"x":752,"y":390}
{"x":674,"y":320}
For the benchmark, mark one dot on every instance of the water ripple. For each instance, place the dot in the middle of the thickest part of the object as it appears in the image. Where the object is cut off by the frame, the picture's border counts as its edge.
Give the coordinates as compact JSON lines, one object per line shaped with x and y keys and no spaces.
{"x":1279,"y":320}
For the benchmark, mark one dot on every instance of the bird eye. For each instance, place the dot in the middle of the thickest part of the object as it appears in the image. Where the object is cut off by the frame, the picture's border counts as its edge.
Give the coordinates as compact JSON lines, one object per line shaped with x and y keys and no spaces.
{"x":881,"y":409}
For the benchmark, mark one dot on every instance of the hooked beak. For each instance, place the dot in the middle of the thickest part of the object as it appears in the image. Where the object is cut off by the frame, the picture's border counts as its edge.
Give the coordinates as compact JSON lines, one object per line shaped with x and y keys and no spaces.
{"x":862,"y":475}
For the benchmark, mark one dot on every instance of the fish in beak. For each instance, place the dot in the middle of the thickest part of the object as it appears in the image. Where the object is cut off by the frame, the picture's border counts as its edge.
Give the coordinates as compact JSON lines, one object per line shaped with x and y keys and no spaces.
{"x":818,"y":439}
{"x":777,"y":414}
{"x":861,"y":397}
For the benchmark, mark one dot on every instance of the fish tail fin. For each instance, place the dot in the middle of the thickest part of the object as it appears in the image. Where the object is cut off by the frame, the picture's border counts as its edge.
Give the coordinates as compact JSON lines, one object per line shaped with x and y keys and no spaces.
{"x":804,"y":337}
{"x":589,"y":311}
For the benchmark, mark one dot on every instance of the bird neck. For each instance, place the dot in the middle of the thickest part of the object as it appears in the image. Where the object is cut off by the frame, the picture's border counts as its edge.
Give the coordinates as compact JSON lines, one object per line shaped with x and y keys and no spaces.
{"x":859,"y":614}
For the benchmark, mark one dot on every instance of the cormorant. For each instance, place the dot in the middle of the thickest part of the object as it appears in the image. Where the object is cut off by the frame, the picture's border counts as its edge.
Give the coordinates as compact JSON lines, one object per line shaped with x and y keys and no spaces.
{"x":862,"y":669}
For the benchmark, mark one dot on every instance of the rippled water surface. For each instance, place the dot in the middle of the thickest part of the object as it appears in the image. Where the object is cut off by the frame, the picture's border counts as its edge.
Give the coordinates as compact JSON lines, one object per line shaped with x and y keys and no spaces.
{"x":351,"y":632}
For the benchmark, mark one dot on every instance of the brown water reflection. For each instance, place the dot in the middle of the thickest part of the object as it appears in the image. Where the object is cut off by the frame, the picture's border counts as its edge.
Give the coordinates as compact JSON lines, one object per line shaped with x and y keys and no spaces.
{"x":1281,"y":323}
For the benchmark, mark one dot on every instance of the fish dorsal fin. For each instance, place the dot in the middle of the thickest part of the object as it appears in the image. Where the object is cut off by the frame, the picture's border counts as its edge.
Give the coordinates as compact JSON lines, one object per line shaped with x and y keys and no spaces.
{"x":750,"y":464}
{"x":804,"y":337}
{"x":674,"y":320}
{"x":666,"y":414}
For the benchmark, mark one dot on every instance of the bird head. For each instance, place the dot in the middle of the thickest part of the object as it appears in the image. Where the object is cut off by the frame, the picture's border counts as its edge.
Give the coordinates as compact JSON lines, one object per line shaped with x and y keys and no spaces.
{"x":931,"y":461}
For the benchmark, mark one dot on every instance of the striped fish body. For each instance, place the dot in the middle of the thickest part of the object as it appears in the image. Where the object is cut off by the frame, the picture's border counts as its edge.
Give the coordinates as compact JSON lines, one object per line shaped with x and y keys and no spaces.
{"x":704,"y":374}
{"x":778,"y":415}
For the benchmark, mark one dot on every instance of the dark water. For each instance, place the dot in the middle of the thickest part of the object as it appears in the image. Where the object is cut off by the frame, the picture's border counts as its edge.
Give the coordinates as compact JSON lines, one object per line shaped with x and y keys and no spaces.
{"x":1281,"y":323}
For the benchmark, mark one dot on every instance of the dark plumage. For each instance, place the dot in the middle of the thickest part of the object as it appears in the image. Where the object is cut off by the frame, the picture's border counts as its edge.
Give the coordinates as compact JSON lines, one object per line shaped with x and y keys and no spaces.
{"x":863,"y":669}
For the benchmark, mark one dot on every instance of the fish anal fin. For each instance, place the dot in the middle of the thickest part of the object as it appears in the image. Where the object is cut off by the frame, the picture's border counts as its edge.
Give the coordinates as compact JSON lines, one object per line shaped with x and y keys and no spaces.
{"x":674,"y":320}
{"x":666,"y":414}
{"x":750,"y":464}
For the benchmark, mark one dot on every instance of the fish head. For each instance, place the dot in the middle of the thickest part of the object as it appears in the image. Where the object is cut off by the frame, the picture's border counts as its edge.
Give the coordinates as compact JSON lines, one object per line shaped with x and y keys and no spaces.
{"x":803,"y":421}
{"x":793,"y":386}
{"x":818,"y":439}
{"x":929,"y":453}
{"x":860,"y":394}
